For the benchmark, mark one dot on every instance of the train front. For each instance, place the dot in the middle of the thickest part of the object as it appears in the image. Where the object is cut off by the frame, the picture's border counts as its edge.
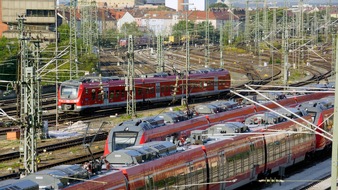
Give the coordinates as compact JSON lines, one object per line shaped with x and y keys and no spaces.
{"x":126,"y":134}
{"x":69,"y":96}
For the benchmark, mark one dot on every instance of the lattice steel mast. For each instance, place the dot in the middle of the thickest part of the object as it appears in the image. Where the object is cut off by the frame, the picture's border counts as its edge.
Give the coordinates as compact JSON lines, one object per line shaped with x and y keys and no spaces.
{"x":73,"y":60}
{"x":130,"y":84}
{"x":30,"y":104}
{"x":160,"y":60}
{"x":206,"y":51}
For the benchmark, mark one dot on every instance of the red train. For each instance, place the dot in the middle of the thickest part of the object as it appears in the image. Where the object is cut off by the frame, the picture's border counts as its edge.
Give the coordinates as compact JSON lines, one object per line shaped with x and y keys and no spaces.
{"x":223,"y":162}
{"x":139,"y":131}
{"x":105,"y":92}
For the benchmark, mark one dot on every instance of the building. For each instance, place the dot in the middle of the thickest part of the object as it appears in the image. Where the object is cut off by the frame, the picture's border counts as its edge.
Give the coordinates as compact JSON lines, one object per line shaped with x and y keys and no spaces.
{"x":121,"y":17}
{"x":3,"y":27}
{"x":118,"y":4}
{"x":161,"y":22}
{"x":198,"y":5}
{"x":39,"y":14}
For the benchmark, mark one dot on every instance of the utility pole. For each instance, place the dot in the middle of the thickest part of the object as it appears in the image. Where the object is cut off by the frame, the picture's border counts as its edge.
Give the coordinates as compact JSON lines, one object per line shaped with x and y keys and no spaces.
{"x":265,"y":20}
{"x":285,"y":45}
{"x":73,"y":60}
{"x":206,"y":51}
{"x":274,"y":23}
{"x":333,"y":55}
{"x":231,"y":24}
{"x":89,"y":24}
{"x":30,"y":104}
{"x":257,"y":33}
{"x":334,"y":165}
{"x":160,"y":61}
{"x":130,"y":84}
{"x":56,"y":69}
{"x":221,"y":62}
{"x":247,"y":23}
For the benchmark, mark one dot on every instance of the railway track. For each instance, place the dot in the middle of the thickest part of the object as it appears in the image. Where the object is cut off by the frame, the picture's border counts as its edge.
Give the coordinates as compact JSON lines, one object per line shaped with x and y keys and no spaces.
{"x":75,"y":160}
{"x":57,"y":146}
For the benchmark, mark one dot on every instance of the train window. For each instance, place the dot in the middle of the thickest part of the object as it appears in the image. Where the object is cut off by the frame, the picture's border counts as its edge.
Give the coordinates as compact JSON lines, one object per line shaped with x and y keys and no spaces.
{"x":117,"y":93}
{"x":123,"y":139}
{"x":149,"y":182}
{"x":122,"y":93}
{"x":181,"y":179}
{"x":230,"y":163}
{"x":111,"y":96}
{"x":200,"y":174}
{"x":86,"y":90}
{"x":93,"y":94}
{"x":69,"y":92}
{"x":152,"y":91}
{"x":139,"y":92}
{"x":170,"y":181}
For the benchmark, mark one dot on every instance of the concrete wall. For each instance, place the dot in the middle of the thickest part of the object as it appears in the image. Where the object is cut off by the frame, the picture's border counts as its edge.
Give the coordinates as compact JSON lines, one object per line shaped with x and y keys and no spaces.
{"x":39,"y":15}
{"x":12,"y":8}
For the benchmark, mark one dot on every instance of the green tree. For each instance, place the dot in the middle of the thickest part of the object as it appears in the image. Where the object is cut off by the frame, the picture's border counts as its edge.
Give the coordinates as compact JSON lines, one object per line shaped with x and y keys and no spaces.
{"x":130,"y":29}
{"x":179,"y":29}
{"x":64,"y":31}
{"x":201,"y":29}
{"x":218,"y":5}
{"x":8,"y":57}
{"x":109,"y":38}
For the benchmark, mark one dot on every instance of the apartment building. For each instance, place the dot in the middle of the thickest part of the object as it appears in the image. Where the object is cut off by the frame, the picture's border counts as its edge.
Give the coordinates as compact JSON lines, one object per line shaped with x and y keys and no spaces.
{"x":39,"y":15}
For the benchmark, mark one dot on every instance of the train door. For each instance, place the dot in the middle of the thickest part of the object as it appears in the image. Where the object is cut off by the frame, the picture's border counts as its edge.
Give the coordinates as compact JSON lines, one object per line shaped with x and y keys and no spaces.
{"x":149,"y":182}
{"x":105,"y":96}
{"x":222,"y":169}
{"x":288,"y":141}
{"x":158,"y":90}
{"x":253,"y":160}
{"x":190,"y":174}
{"x":216,"y":84}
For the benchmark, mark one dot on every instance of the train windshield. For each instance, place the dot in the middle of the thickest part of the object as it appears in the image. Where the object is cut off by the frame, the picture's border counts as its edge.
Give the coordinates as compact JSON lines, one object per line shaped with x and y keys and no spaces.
{"x":69,"y":92}
{"x":123,"y":140}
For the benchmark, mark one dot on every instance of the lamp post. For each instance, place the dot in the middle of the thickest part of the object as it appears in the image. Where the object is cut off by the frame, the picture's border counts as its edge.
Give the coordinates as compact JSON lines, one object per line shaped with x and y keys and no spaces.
{"x":187,"y":59}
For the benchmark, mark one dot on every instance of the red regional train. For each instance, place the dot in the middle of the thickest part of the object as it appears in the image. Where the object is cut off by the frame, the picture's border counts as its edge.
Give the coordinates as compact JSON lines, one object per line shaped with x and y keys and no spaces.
{"x":139,"y":131}
{"x":226,"y":161}
{"x":216,"y":158}
{"x":88,"y":93}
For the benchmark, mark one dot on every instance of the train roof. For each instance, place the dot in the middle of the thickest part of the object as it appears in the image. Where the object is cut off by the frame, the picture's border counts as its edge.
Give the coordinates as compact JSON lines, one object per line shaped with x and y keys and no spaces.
{"x":154,"y":77}
{"x":322,"y":104}
{"x":92,"y":79}
{"x":141,"y":153}
{"x":208,"y":108}
{"x":228,"y":127}
{"x":173,"y":116}
{"x":22,"y":184}
{"x":141,"y":123}
{"x":258,"y":121}
{"x":49,"y":178}
{"x":72,"y":170}
{"x":226,"y":104}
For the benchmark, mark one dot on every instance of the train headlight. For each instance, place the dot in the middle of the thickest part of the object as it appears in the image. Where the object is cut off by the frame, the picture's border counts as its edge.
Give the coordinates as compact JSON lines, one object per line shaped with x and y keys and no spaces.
{"x":126,"y":129}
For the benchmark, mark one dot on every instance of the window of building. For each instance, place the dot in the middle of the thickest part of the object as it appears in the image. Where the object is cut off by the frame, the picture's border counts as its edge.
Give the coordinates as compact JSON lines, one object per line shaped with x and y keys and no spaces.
{"x":40,"y":13}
